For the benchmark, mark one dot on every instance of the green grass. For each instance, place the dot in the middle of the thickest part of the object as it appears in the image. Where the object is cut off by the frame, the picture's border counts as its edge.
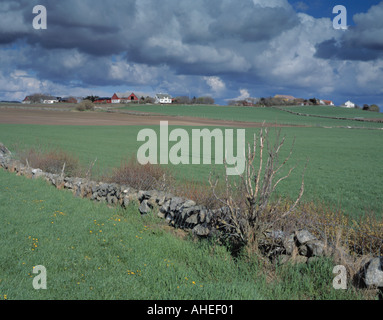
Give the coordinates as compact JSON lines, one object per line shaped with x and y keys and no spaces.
{"x":330,"y":111}
{"x":250,"y":114}
{"x":344,"y":165}
{"x":91,"y":251}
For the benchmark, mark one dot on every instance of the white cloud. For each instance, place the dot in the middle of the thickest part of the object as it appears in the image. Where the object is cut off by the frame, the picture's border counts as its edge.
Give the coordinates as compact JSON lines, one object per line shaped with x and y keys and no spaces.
{"x":216,"y":84}
{"x":244,"y":94}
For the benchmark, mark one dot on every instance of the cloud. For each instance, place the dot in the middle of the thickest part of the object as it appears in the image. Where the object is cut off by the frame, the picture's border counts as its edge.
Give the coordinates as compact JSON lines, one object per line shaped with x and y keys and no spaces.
{"x":188,"y":47}
{"x":216,"y":84}
{"x":244,"y":94}
{"x":362,"y":42}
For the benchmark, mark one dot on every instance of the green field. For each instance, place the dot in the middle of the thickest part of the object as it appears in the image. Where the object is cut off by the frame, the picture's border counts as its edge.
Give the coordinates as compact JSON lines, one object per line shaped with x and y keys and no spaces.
{"x":269,"y":115}
{"x":344,"y":165}
{"x":93,"y":252}
{"x":331,"y":111}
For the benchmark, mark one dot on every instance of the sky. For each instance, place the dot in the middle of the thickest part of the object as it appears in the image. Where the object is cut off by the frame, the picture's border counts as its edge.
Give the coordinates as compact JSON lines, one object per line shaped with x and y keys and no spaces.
{"x":227,"y":49}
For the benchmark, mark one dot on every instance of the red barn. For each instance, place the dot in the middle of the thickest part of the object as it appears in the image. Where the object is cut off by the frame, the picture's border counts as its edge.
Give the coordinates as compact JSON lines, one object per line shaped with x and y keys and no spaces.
{"x":124,"y":98}
{"x":103,"y":100}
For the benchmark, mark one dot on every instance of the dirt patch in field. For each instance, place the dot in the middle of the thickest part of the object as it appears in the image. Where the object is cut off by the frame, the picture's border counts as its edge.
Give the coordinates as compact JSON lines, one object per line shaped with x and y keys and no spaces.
{"x":50,"y":117}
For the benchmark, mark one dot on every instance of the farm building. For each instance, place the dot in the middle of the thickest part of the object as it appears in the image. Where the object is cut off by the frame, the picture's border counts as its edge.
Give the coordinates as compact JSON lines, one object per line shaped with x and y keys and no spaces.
{"x":163,"y":98}
{"x":27,"y":100}
{"x":349,"y":104}
{"x":50,"y":101}
{"x":103,"y":100}
{"x":123,"y":98}
{"x":326,"y":102}
{"x":67,"y":100}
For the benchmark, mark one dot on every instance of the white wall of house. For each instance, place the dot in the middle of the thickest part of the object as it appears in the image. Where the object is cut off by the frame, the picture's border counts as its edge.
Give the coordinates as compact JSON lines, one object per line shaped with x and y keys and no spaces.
{"x":165,"y":99}
{"x":50,"y":101}
{"x":349,"y":104}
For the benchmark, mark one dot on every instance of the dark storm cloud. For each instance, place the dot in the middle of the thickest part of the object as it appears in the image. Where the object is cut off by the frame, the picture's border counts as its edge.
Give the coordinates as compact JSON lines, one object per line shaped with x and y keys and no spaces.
{"x":191,"y":28}
{"x":362,"y":42}
{"x":252,"y":23}
{"x":335,"y":50}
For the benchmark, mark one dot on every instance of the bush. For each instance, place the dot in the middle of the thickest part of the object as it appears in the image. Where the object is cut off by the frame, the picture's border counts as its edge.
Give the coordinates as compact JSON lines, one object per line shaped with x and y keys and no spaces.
{"x":51,"y":161}
{"x":140,"y":177}
{"x":85,"y":105}
{"x":240,"y":218}
{"x":372,"y":107}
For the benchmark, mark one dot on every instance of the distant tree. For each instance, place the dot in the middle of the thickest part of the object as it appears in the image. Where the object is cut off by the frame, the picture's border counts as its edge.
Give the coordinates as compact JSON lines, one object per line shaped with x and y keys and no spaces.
{"x":374,"y":108}
{"x":91,"y":98}
{"x":204,"y":100}
{"x":182,"y":100}
{"x":149,"y":100}
{"x":314,"y":101}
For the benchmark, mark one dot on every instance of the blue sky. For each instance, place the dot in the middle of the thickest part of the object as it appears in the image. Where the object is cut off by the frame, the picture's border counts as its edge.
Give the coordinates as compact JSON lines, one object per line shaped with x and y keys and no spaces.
{"x":223,"y":48}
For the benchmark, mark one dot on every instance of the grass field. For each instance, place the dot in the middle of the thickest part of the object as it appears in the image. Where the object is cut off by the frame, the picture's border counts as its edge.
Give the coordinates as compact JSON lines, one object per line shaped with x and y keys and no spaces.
{"x":269,"y":115}
{"x":330,"y":111}
{"x":94,"y":252}
{"x":344,"y":165}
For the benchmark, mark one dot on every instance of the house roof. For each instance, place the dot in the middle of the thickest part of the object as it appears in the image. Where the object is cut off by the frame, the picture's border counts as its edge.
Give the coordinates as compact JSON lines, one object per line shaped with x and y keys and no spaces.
{"x":163,"y":96}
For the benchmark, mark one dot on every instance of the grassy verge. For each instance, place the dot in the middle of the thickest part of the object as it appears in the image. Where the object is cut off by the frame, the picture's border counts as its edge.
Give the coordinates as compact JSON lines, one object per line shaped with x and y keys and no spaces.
{"x":95,"y":252}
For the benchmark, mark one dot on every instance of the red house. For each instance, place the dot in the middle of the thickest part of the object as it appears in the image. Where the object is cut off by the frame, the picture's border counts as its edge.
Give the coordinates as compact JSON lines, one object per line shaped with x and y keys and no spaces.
{"x":124,"y":98}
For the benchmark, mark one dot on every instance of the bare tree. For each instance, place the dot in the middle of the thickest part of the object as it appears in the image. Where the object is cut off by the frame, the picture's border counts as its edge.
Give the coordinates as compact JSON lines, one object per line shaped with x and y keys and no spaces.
{"x":239,"y":218}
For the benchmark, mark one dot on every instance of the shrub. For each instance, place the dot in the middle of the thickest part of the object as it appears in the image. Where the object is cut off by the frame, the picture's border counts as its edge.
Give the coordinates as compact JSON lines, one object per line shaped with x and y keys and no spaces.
{"x":54,"y":161}
{"x":85,"y":105}
{"x":240,"y":218}
{"x":140,"y":177}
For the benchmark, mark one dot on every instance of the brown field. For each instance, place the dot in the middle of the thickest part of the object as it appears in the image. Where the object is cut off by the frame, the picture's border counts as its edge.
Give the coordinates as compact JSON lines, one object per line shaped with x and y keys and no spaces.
{"x":94,"y":118}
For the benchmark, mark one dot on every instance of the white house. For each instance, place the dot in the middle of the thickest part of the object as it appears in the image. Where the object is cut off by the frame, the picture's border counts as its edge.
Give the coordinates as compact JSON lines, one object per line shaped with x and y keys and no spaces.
{"x":326,"y":102}
{"x":50,"y":101}
{"x":163,"y":98}
{"x":349,"y":104}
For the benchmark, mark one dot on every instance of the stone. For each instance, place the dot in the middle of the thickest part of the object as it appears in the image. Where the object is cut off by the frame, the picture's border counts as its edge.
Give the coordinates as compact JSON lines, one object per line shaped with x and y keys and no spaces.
{"x":144,"y":207}
{"x":103,"y":190}
{"x":304,"y":236}
{"x":161,"y":215}
{"x":202,"y":216}
{"x":165,"y":207}
{"x":289,"y":243}
{"x":303,"y":250}
{"x":4,"y":152}
{"x":111,"y":199}
{"x":176,"y":203}
{"x":189,"y":204}
{"x":374,"y":273}
{"x":316,"y":248}
{"x":36,"y":173}
{"x":126,"y":201}
{"x":193,"y":219}
{"x":201,"y":231}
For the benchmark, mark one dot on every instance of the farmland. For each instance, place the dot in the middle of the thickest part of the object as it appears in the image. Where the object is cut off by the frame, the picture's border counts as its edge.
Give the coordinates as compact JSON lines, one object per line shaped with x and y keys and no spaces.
{"x":343,"y":170}
{"x":96,"y":252}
